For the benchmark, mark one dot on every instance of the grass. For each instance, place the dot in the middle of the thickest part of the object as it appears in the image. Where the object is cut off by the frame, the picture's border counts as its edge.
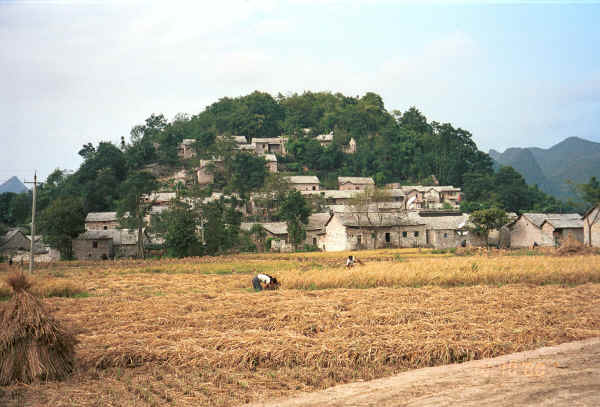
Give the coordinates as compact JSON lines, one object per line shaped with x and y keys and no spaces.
{"x":193,"y":332}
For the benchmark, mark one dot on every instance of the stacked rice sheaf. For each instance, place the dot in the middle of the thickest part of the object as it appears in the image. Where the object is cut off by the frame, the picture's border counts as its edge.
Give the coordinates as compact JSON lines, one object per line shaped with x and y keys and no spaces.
{"x":33,"y":345}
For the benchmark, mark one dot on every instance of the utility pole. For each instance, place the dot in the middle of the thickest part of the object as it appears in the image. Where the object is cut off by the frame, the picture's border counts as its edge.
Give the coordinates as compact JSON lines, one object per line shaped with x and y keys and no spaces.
{"x":31,"y":257}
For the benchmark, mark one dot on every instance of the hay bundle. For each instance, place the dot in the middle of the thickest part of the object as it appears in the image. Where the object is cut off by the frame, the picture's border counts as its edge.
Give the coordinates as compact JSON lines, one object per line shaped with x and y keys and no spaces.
{"x":571,"y":246}
{"x":33,"y":345}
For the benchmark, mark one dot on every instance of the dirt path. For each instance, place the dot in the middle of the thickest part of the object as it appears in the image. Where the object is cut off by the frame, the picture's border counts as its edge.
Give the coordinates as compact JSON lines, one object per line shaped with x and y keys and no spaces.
{"x":564,"y":375}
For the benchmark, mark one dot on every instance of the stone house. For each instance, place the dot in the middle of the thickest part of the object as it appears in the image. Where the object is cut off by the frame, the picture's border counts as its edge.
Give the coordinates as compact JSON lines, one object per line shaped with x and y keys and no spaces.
{"x":591,"y":227}
{"x":14,"y":241}
{"x":186,"y":149}
{"x":315,"y":229}
{"x":353,"y":231}
{"x":355,"y":183}
{"x":325,"y":140}
{"x":304,"y":182}
{"x":428,"y":197}
{"x":351,"y":147}
{"x":272,"y":145}
{"x":447,"y":229}
{"x":101,"y":221}
{"x":160,"y":198}
{"x":276,"y":232}
{"x":271,"y":160}
{"x":105,"y":244}
{"x":205,"y":173}
{"x":545,"y":229}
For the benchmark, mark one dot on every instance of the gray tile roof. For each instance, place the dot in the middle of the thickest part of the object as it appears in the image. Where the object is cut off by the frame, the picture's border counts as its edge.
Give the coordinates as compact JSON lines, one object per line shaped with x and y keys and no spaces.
{"x":317,"y":221}
{"x":101,"y":217}
{"x":356,"y":180}
{"x":118,"y":236}
{"x":371,"y":219}
{"x":564,"y":218}
{"x":302,"y":179}
{"x":276,"y":228}
{"x":446,"y":222}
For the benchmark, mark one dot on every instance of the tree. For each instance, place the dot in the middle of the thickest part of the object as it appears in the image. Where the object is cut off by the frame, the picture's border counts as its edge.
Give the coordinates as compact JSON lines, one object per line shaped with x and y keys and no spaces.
{"x":247,"y":173}
{"x":180,"y":231}
{"x":134,"y":205}
{"x":61,"y":222}
{"x":487,"y":220}
{"x":295,"y":211}
{"x":221,"y":225}
{"x":260,"y":235}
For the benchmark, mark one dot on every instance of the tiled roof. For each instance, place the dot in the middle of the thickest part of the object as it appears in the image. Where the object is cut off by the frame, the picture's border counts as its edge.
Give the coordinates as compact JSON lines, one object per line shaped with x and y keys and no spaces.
{"x":373,"y":219}
{"x":317,"y":221}
{"x":270,"y":140}
{"x":276,"y":228}
{"x":564,"y":218}
{"x":101,"y":217}
{"x":303,"y":179}
{"x":356,"y":180}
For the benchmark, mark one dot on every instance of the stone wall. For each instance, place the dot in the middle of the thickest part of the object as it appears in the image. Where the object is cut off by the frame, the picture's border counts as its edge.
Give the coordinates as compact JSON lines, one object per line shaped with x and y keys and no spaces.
{"x":84,"y":249}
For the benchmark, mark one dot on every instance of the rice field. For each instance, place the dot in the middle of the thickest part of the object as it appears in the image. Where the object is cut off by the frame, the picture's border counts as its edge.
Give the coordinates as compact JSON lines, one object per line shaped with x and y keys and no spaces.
{"x":192,"y":332}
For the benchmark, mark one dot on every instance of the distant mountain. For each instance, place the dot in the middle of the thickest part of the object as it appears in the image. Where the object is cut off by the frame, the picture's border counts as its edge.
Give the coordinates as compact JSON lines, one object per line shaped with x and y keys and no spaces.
{"x":572,"y":159}
{"x":13,"y":185}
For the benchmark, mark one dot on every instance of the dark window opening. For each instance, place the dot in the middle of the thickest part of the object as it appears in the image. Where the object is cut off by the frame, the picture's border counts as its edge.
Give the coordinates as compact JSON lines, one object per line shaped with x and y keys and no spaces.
{"x":387,"y":237}
{"x":416,"y":233}
{"x":95,"y":244}
{"x":359,"y":239}
{"x":445,"y":235}
{"x":105,"y":227}
{"x":314,"y":241}
{"x":314,"y":188}
{"x":404,"y":234}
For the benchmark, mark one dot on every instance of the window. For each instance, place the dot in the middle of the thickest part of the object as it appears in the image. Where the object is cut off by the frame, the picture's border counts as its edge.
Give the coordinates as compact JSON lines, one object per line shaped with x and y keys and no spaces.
{"x":404,"y":234}
{"x":314,"y":188}
{"x":359,"y":239}
{"x":445,"y":235}
{"x":314,"y":241}
{"x":416,"y":233}
{"x":95,"y":244}
{"x":105,"y":227}
{"x":387,"y":237}
{"x":357,"y":188}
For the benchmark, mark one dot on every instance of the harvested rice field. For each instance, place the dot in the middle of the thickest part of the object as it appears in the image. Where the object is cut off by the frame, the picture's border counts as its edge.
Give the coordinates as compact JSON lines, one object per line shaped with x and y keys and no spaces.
{"x":191,"y":332}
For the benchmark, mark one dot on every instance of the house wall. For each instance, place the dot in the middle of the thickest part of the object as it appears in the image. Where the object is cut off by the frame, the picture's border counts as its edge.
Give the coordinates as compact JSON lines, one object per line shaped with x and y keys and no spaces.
{"x":83,"y":249}
{"x":594,"y":227}
{"x":396,"y":233}
{"x":346,"y":186}
{"x":576,"y":232}
{"x":335,"y":239}
{"x":125,"y":250}
{"x":444,"y":238}
{"x":306,"y":187}
{"x":112,"y":224}
{"x":204,"y":178}
{"x":524,"y":234}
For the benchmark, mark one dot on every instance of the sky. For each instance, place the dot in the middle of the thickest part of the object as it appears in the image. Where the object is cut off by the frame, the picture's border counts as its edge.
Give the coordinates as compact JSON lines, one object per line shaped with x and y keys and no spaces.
{"x":515,"y":74}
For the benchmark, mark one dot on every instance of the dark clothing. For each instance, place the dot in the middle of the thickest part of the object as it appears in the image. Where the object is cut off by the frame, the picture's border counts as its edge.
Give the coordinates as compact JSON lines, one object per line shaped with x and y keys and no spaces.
{"x":256,"y":284}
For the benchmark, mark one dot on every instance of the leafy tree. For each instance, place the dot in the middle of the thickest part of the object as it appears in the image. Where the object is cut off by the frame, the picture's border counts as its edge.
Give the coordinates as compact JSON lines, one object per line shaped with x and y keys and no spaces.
{"x":61,"y":222}
{"x":247,"y":173}
{"x":221,"y":225}
{"x":134,"y":204}
{"x":260,"y":235}
{"x":486,"y":220}
{"x":590,"y":192}
{"x":367,"y":207}
{"x":181,"y":239}
{"x":295,"y":211}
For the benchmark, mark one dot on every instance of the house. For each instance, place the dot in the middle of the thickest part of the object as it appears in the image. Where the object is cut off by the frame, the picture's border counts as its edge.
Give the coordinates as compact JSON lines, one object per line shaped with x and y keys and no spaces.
{"x":276,"y":233}
{"x":315,"y":229}
{"x":351,"y":147}
{"x":362,"y":230}
{"x":13,"y":241}
{"x":205,"y":173}
{"x":447,"y":229}
{"x":591,"y":227}
{"x":271,"y":160}
{"x":101,"y":221}
{"x":186,"y":149}
{"x":105,"y":244}
{"x":304,"y":182}
{"x":160,"y":198}
{"x":355,"y":183}
{"x":272,"y":145}
{"x":325,"y":140}
{"x":545,"y":229}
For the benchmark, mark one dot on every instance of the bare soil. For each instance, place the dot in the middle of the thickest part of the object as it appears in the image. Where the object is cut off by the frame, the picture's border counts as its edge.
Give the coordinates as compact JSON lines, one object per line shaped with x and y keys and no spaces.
{"x":563,"y":375}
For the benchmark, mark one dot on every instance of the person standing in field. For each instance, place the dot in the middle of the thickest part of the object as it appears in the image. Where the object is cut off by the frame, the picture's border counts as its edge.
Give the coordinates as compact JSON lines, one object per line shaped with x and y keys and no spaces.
{"x":269,"y":282}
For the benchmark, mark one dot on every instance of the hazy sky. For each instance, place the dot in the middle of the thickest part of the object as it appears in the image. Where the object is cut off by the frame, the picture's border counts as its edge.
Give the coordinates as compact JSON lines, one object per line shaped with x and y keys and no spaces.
{"x":72,"y":72}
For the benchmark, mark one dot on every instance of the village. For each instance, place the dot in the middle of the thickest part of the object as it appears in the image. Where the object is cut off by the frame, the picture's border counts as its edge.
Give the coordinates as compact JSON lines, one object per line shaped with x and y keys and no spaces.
{"x":345,"y":219}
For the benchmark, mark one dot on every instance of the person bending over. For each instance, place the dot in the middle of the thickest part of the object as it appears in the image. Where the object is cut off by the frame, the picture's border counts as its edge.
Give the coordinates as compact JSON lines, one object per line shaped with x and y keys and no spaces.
{"x":264,"y":282}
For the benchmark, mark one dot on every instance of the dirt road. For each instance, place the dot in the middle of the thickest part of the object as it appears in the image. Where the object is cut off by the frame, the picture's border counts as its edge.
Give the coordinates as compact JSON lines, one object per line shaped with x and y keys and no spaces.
{"x":564,"y":375}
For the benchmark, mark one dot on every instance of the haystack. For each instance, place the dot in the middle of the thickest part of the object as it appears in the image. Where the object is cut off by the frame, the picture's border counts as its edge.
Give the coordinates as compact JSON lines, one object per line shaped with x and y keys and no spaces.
{"x":571,"y":246}
{"x":33,"y":345}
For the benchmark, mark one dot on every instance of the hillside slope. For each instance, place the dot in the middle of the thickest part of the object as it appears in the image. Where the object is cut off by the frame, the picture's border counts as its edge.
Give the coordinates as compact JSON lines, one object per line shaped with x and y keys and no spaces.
{"x":13,"y":185}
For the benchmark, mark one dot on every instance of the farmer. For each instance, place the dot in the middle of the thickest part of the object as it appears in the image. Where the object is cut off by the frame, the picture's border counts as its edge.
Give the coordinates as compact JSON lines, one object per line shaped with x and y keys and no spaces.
{"x":350,"y":261}
{"x":270,"y":283}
